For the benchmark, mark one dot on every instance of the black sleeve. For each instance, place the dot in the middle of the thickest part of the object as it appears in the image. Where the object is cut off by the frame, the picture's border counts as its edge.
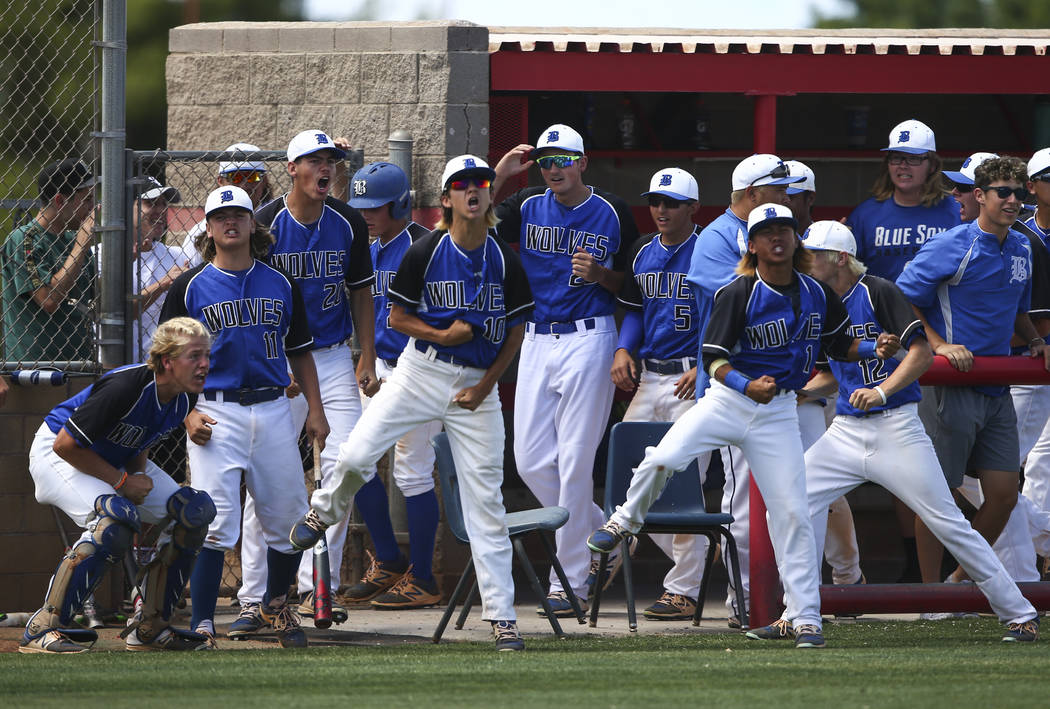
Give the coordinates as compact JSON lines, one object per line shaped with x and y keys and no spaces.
{"x":517,"y":296}
{"x":835,"y":340}
{"x":630,"y":295}
{"x":361,"y":273}
{"x":893,"y":311}
{"x":725,"y":327}
{"x":298,"y":339}
{"x":111,"y":397}
{"x":264,"y":215}
{"x":628,"y":229}
{"x":416,"y":231}
{"x":509,"y":214}
{"x":175,"y":299}
{"x":406,"y":289}
{"x":1040,"y":307}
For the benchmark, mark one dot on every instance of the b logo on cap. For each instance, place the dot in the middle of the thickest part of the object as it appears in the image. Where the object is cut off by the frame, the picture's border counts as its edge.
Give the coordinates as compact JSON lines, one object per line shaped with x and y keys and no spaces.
{"x":665,"y":180}
{"x":322,"y":139}
{"x":552,"y":136}
{"x":225,"y":196}
{"x":360,"y":187}
{"x":966,"y":163}
{"x":469,"y":162}
{"x":904,"y":137}
{"x":771,"y":213}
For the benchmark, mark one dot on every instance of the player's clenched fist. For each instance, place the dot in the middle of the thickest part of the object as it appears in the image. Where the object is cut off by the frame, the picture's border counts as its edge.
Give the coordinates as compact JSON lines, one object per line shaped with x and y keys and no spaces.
{"x":886,"y":345}
{"x":762,"y":390}
{"x":198,"y":427}
{"x":865,"y":399}
{"x":136,"y":487}
{"x":457,"y":333}
{"x":624,"y":371}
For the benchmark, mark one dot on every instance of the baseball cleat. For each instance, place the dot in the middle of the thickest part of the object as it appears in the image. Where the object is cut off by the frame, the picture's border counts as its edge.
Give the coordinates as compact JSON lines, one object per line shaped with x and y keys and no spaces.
{"x":286,"y":624}
{"x":777,"y":630}
{"x":612,"y":567}
{"x":808,"y":636}
{"x":409,"y":592}
{"x":507,"y":636}
{"x":167,"y":639}
{"x":560,"y":605}
{"x":306,"y":609}
{"x":307,"y":531}
{"x":249,"y":621}
{"x":608,"y":537}
{"x":381,"y":576}
{"x":51,"y":642}
{"x":1024,"y":632}
{"x":733,"y":622}
{"x":671,"y":606}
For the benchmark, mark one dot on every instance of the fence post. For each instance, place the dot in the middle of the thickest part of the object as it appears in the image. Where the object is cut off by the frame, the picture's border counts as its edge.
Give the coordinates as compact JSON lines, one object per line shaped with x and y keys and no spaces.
{"x":400,"y":148}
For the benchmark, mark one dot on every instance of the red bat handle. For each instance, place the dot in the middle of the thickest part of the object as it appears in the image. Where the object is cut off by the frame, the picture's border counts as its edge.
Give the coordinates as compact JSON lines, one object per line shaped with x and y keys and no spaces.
{"x":322,"y":568}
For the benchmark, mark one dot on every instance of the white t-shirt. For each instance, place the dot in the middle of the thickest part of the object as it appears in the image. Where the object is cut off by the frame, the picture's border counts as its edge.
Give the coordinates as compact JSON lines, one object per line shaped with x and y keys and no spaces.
{"x":150,"y":267}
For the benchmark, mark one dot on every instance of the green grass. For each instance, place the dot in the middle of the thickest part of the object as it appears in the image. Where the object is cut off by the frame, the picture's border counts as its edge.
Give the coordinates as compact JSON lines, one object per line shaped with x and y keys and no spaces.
{"x":948,"y":664}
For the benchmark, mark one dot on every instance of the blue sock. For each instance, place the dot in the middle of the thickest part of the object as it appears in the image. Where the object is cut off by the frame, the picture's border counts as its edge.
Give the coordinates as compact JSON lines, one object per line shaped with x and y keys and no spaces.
{"x":281,"y":570}
{"x":422,"y":530}
{"x":374,"y":507}
{"x":204,"y":584}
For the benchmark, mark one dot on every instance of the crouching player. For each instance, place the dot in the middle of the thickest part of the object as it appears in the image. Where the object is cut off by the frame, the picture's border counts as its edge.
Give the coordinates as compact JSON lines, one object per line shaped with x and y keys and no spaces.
{"x":462,"y":297}
{"x":766,"y":328}
{"x":89,"y":459}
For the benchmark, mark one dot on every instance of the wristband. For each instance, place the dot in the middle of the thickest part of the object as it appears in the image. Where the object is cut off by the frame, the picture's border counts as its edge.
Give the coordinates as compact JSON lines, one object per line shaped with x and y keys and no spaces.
{"x":881,"y":393}
{"x":735,"y":380}
{"x":866,"y":349}
{"x":715,"y":366}
{"x":123,"y":479}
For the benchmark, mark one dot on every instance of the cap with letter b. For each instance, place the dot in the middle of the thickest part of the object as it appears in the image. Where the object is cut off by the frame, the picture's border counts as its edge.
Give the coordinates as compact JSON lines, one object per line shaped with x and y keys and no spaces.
{"x":964,"y":175}
{"x":675,"y":183}
{"x":227,"y":166}
{"x":559,"y":136}
{"x":312,"y":141}
{"x":913,"y":137}
{"x":228,"y":196}
{"x":464,"y":166}
{"x":829,"y":235}
{"x":767,"y":215}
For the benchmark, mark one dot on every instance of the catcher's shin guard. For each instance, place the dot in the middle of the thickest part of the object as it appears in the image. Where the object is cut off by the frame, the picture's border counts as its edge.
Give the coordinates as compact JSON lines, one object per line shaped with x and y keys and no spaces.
{"x":83,"y":566}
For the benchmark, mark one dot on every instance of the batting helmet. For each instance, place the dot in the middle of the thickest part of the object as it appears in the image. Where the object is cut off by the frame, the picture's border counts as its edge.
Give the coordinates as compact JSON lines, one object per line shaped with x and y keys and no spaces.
{"x":380,"y":183}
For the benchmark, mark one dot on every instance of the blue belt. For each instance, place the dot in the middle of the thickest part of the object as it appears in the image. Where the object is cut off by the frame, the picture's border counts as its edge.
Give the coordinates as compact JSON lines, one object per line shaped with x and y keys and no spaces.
{"x":674,"y":366}
{"x":562,"y":328}
{"x":441,"y":356}
{"x":245,"y":396}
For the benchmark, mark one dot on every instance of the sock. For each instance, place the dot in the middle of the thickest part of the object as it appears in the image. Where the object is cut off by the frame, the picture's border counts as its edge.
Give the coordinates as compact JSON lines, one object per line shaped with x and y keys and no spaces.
{"x":422,"y":530}
{"x":281,"y":570}
{"x":374,"y":507}
{"x":204,"y":584}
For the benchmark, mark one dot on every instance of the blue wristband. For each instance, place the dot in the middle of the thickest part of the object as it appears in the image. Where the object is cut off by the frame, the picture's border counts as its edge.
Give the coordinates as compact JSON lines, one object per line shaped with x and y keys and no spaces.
{"x":866,"y":349}
{"x":735,"y":380}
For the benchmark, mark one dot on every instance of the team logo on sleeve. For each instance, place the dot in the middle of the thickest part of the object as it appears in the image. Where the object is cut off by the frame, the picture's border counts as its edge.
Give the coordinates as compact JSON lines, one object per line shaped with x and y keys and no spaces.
{"x":552,"y":136}
{"x":322,"y":139}
{"x":225,"y":196}
{"x":904,"y":137}
{"x":665,"y":180}
{"x":360,"y":187}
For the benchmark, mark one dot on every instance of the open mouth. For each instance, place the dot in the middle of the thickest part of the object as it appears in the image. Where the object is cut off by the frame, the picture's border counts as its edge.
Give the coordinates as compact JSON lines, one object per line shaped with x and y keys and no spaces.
{"x":322,"y":184}
{"x":473,"y":202}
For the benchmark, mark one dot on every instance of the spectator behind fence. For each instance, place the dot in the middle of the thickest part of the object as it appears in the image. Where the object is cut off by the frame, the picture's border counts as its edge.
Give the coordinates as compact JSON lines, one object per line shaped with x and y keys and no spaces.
{"x":48,"y":273}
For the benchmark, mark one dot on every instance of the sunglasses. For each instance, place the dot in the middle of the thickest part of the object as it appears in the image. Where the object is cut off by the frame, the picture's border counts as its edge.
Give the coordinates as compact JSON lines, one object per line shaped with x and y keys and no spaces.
{"x":776,"y":173}
{"x":241,"y":177}
{"x":1045,"y":177}
{"x":549,"y":161}
{"x":465,"y":183}
{"x":898,"y":158}
{"x":658,"y":200}
{"x":1004,"y":192}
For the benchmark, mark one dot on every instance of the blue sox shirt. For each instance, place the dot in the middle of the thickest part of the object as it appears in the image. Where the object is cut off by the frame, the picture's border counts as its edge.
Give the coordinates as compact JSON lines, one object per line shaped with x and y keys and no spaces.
{"x":322,"y":257}
{"x":655,"y":289}
{"x":875,"y":305}
{"x":548,"y":234}
{"x":439,"y":282}
{"x":889,"y":235}
{"x":255,"y":317}
{"x":119,"y":416}
{"x":776,"y":331}
{"x":387,"y":257}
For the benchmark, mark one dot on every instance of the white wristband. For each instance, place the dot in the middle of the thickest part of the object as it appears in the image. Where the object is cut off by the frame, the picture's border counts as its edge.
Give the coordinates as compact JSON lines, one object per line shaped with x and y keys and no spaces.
{"x":881,"y":393}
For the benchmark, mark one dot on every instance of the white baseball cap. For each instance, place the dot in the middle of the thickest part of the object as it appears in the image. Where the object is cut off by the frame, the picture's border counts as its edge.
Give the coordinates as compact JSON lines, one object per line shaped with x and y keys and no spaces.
{"x":809,"y":180}
{"x":766,"y":214}
{"x":311,"y":141}
{"x":228,"y":196}
{"x":559,"y":136}
{"x":913,"y":137}
{"x":463,"y":166}
{"x":964,"y":175}
{"x":155,"y":189}
{"x":226,"y":166}
{"x":762,"y":169}
{"x":1040,"y":162}
{"x":675,"y":183}
{"x":829,"y":235}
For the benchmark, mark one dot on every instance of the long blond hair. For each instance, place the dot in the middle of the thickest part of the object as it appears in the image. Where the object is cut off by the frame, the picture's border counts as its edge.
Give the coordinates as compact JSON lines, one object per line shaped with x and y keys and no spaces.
{"x":932,"y":188}
{"x":261,"y":242}
{"x":171,"y":338}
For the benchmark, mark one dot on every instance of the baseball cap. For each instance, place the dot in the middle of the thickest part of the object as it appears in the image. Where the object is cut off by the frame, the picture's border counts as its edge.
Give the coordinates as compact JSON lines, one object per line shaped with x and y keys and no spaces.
{"x":809,"y":180}
{"x":226,"y":166}
{"x":913,"y":137}
{"x":155,"y":189}
{"x":675,"y":183}
{"x":964,"y":175}
{"x":1039,"y":163}
{"x":463,"y":166}
{"x":762,"y":169}
{"x":559,"y":136}
{"x":311,"y":141}
{"x":228,"y":196}
{"x":766,"y":214}
{"x":64,"y":177}
{"x":829,"y":235}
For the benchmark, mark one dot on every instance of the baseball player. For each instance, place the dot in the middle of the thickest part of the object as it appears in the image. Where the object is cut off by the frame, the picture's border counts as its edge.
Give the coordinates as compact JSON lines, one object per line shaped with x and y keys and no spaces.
{"x":381,"y":191}
{"x":461,"y":296}
{"x":878,"y":427}
{"x":801,"y":195}
{"x":88,"y":459}
{"x":765,"y":331}
{"x":660,"y":327}
{"x":572,"y":240}
{"x":972,"y":289}
{"x":323,"y":244}
{"x":962,"y":185}
{"x":240,"y":426}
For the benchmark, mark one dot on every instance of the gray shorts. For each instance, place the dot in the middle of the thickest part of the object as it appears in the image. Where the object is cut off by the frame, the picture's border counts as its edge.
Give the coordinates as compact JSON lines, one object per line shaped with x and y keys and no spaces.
{"x":973,"y":431}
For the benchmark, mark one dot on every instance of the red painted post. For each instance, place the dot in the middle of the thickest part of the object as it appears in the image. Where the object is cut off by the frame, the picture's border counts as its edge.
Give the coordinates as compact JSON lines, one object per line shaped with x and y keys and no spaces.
{"x":762,"y":566}
{"x":765,"y":136}
{"x":918,"y":597}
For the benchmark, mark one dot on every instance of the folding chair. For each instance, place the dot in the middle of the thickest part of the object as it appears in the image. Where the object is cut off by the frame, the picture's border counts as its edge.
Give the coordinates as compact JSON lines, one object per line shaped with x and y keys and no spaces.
{"x":539,"y":520}
{"x":679,"y":510}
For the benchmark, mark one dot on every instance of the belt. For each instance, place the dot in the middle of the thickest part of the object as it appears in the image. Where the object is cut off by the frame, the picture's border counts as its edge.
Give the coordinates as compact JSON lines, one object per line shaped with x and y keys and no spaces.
{"x":330,"y":347}
{"x":561,"y":328}
{"x":244,"y":396}
{"x":673,"y":366}
{"x":432,"y":353}
{"x":389,"y":362}
{"x":880,"y":412}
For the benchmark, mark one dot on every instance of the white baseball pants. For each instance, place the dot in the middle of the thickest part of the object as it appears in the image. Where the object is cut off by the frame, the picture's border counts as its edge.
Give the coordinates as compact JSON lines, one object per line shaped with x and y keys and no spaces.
{"x":1032,"y":404}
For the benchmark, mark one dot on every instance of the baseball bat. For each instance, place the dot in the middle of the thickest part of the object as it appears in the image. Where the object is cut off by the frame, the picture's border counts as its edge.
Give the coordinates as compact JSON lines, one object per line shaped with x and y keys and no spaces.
{"x":322,"y":568}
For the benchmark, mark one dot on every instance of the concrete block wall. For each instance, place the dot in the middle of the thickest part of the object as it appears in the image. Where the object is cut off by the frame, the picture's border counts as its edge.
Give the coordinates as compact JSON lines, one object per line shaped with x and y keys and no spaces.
{"x":263,"y":82}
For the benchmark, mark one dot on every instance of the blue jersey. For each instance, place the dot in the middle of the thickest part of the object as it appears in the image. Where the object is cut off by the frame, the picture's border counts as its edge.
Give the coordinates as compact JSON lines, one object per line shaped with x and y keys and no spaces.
{"x":254,"y":316}
{"x":325,"y":258}
{"x":119,"y":416}
{"x":888,"y":235}
{"x":875,"y":305}
{"x":548,"y":233}
{"x":776,"y":330}
{"x":386,"y":259}
{"x":1032,"y":224}
{"x":655,"y":285}
{"x":439,"y":282}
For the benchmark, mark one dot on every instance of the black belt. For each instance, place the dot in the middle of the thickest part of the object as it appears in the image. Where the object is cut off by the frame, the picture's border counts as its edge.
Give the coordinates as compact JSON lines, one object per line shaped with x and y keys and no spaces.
{"x":441,"y":356}
{"x":674,"y":366}
{"x":245,"y":396}
{"x":563,"y":328}
{"x":389,"y":362}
